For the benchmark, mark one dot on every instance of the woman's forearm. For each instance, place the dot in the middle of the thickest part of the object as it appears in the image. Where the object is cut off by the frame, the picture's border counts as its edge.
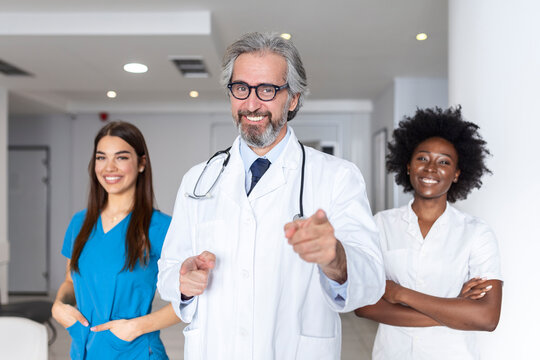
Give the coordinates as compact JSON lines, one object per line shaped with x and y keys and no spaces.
{"x":156,"y":320}
{"x":458,"y":313}
{"x":395,"y":314}
{"x":66,"y":293}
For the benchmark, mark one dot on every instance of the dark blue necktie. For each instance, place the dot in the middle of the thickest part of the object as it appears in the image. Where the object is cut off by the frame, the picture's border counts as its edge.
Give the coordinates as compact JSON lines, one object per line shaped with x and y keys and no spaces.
{"x":258,"y":168}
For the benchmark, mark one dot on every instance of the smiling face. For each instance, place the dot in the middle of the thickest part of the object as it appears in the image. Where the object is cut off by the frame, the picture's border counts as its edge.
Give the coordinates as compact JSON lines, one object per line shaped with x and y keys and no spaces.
{"x":117,"y":166}
{"x":262,"y":124}
{"x":433,"y":168}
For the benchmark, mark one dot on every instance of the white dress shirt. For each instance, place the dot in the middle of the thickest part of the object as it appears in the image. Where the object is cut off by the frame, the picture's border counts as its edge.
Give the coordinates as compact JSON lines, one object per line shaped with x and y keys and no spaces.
{"x":457,"y":248}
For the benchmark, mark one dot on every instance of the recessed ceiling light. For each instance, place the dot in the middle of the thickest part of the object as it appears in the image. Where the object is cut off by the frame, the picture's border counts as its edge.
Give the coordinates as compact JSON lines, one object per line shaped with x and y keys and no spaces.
{"x":286,"y":36}
{"x":111,"y":94}
{"x":421,"y":36}
{"x":194,"y":94}
{"x":136,"y":68}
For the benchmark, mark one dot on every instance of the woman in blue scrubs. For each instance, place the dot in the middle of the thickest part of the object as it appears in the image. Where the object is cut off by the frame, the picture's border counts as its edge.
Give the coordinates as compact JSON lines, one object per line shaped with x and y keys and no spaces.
{"x":112,"y":247}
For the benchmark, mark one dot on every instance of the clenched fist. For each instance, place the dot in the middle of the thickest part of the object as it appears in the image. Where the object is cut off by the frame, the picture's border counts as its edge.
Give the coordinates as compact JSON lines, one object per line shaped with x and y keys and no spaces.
{"x":194,"y":274}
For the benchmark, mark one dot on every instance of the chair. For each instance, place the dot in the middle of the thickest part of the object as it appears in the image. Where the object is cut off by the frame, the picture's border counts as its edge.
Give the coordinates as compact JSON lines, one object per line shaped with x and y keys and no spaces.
{"x":21,"y":338}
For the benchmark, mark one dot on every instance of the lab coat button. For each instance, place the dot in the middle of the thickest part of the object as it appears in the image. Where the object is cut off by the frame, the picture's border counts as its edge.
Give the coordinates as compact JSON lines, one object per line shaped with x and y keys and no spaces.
{"x":245,"y":274}
{"x":243,"y":332}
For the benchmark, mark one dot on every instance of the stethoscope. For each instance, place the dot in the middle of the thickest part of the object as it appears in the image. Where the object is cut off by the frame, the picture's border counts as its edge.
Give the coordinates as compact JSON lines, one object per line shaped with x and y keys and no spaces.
{"x":227,"y":152}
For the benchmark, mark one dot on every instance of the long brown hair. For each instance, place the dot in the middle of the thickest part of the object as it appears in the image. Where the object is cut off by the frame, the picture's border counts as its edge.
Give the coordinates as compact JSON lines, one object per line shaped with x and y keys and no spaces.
{"x":137,"y":240}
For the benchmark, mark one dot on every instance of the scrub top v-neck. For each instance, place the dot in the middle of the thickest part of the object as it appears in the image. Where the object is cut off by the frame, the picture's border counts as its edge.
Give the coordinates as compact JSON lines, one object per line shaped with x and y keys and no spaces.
{"x":105,"y":292}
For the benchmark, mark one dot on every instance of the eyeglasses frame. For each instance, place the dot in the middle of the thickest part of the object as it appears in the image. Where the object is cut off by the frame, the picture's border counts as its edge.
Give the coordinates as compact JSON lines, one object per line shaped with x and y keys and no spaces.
{"x":276,"y":88}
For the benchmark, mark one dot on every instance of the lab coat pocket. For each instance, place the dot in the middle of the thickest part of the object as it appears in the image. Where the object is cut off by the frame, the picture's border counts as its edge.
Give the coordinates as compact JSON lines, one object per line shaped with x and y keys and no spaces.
{"x":192,"y":344}
{"x":317,"y":348}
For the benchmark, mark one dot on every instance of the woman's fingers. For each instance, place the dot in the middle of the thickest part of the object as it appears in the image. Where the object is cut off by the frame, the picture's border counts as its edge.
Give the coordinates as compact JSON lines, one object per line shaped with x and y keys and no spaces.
{"x":67,"y":315}
{"x":477,"y":292}
{"x":471,"y":284}
{"x":123,"y":329}
{"x":79,"y":317}
{"x":104,"y":326}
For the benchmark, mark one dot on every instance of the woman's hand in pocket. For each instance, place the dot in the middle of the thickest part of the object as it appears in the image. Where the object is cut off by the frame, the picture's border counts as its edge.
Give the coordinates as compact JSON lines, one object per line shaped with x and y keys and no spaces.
{"x":126,"y":330}
{"x":67,"y":315}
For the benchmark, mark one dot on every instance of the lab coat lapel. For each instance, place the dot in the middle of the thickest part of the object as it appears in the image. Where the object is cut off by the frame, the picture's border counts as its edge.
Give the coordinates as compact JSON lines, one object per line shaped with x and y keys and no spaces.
{"x":233,"y":185}
{"x":275,"y":176}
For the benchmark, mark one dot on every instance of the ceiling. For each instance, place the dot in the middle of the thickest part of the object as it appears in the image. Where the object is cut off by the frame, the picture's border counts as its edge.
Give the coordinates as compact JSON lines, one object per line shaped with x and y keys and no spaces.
{"x":76,"y":49}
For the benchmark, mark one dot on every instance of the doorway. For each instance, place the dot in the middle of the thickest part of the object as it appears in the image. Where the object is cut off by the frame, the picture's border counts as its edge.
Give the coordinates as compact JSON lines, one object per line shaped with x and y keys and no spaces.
{"x":28,"y":219}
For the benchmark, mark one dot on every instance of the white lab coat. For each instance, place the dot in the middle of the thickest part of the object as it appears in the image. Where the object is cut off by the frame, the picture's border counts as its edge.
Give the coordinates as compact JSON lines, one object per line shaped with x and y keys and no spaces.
{"x":262,"y":300}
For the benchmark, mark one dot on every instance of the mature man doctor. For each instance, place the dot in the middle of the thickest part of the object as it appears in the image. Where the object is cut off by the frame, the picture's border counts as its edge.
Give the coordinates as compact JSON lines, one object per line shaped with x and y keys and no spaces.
{"x":253,"y":283}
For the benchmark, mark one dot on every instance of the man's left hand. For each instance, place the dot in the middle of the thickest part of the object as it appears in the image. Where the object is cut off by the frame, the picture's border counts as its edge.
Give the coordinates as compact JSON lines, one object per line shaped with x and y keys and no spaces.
{"x":314,"y":241}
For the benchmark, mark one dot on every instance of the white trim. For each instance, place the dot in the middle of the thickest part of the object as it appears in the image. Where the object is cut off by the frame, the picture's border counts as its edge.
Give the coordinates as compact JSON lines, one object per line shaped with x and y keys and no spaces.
{"x":106,"y":23}
{"x":339,"y":106}
{"x":215,"y":107}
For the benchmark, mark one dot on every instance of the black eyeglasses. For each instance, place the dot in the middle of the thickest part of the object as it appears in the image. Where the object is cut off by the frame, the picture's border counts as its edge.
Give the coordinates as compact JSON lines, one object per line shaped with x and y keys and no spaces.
{"x":265,"y":92}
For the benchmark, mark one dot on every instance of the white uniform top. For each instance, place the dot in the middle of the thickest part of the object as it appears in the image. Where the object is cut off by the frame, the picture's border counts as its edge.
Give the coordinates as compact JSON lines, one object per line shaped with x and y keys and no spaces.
{"x":457,"y":248}
{"x":262,"y":300}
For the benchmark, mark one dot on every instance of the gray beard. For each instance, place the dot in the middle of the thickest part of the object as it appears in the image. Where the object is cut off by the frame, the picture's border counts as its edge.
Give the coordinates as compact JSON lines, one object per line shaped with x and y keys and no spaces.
{"x":251,"y":135}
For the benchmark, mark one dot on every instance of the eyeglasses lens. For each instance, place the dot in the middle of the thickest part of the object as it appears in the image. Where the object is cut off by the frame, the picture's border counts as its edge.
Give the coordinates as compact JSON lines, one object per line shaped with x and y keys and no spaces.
{"x":266,"y":92}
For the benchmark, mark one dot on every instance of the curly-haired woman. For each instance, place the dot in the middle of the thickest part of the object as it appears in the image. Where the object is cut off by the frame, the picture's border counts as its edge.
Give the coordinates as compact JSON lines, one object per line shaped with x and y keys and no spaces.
{"x":442,"y":265}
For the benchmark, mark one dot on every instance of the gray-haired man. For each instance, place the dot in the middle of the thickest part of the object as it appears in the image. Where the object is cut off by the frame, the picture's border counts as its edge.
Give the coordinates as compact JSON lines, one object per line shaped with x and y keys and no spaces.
{"x":253,"y":283}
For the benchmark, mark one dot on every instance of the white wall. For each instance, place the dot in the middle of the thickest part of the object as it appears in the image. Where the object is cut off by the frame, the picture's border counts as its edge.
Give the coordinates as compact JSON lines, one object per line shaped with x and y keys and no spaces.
{"x":3,"y":163}
{"x":383,"y":118}
{"x":4,"y":247}
{"x":54,"y":132}
{"x":176,"y":141}
{"x":410,"y":94}
{"x":494,"y":73}
{"x":358,"y":136}
{"x":401,"y":98}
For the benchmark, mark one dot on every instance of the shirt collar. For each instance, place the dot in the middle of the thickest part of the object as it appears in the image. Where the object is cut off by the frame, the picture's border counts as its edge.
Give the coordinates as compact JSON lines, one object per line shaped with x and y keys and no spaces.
{"x":411,"y":218}
{"x":249,"y":156}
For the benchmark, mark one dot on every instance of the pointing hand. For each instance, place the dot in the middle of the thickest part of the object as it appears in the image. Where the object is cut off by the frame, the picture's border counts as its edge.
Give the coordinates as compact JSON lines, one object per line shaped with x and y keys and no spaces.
{"x":194,"y":273}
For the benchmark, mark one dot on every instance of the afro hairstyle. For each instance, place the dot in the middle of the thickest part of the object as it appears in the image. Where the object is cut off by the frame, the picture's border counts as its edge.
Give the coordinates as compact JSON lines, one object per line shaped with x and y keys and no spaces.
{"x":449,"y":125}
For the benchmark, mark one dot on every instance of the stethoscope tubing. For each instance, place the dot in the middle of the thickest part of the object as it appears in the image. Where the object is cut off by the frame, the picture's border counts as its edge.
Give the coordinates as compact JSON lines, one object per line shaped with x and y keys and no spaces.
{"x":300,"y":215}
{"x":207,"y":195}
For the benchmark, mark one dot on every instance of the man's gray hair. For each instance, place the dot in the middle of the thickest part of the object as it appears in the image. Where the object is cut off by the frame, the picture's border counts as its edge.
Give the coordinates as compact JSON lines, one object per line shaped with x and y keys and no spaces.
{"x":272,"y":42}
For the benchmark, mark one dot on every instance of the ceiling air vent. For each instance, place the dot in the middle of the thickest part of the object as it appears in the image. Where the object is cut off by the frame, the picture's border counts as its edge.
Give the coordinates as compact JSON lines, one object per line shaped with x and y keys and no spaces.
{"x":190,"y":67}
{"x":10,"y":70}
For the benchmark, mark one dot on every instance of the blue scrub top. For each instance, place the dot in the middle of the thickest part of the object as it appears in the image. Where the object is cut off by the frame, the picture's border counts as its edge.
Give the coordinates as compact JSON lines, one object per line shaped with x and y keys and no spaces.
{"x":104,"y":292}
